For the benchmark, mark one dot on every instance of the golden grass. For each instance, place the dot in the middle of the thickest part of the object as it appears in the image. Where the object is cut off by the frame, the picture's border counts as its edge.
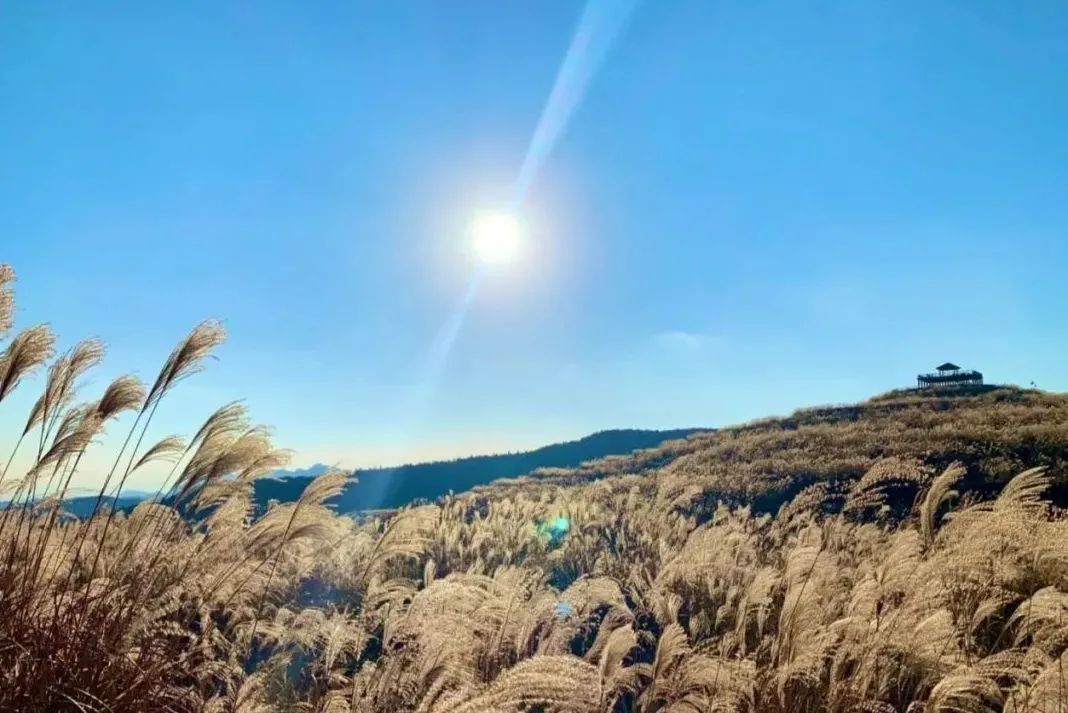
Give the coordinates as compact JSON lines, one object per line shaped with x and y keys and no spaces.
{"x":874,"y":558}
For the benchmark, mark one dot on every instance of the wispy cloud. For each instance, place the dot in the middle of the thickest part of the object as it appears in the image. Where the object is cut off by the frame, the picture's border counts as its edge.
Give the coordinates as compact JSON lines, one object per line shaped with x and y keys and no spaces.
{"x":685,"y":341}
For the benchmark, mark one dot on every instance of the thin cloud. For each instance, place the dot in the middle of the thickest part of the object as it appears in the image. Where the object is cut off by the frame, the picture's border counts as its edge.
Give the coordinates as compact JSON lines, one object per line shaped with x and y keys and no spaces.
{"x":682,"y":340}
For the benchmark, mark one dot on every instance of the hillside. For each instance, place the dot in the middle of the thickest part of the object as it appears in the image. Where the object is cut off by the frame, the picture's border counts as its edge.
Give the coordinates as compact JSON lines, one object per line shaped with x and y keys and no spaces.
{"x":894,"y":556}
{"x":900,"y":555}
{"x":82,"y":506}
{"x":393,"y":487}
{"x":995,"y":432}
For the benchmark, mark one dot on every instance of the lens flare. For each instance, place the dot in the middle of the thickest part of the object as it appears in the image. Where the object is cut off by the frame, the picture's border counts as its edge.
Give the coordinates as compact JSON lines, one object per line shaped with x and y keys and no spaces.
{"x":497,"y":238}
{"x":601,"y":24}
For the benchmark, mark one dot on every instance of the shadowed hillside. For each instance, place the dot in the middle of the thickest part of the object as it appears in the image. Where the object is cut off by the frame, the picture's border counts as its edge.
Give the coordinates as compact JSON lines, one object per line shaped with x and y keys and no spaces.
{"x":393,"y":487}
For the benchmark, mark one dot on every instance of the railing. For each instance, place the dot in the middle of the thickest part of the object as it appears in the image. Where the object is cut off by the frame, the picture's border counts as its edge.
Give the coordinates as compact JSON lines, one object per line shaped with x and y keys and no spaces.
{"x":956,"y":377}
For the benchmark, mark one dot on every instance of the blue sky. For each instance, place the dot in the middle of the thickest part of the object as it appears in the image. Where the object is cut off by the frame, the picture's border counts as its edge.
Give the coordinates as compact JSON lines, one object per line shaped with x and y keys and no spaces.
{"x":755,"y":207}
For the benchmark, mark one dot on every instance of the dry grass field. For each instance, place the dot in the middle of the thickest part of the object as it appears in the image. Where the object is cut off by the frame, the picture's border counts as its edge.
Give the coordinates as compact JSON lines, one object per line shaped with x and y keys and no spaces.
{"x":905,"y":554}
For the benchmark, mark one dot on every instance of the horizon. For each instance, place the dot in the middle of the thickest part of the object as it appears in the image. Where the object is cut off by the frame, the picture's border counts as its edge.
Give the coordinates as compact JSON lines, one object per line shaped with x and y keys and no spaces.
{"x":311,"y":471}
{"x":527,"y":448}
{"x":726,"y":213}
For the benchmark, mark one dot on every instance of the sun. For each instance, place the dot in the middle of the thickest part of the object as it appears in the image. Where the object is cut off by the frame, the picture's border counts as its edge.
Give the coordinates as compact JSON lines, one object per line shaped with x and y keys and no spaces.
{"x":496,"y":237}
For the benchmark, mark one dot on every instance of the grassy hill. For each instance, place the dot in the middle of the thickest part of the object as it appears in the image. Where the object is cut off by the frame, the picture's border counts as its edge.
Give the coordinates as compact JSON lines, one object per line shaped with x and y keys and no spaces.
{"x":898,"y":555}
{"x":995,"y":432}
{"x":380,"y":488}
{"x":905,"y":554}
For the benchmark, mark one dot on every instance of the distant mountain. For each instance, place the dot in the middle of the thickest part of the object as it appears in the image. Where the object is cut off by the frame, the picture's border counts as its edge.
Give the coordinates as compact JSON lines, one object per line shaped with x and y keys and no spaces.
{"x":82,"y":506}
{"x":393,"y":487}
{"x":312,"y":471}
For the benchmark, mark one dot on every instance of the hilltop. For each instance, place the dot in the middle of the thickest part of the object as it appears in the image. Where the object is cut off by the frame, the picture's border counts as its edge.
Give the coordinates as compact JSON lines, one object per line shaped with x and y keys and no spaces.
{"x":994,"y":431}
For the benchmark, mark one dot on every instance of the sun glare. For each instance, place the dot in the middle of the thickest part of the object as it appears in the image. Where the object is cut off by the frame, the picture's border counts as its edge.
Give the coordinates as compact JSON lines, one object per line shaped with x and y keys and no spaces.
{"x":496,"y":238}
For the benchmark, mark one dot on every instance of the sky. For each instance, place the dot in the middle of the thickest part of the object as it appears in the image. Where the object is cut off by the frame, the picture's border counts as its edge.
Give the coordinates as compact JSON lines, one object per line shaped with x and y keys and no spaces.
{"x":751,"y":207}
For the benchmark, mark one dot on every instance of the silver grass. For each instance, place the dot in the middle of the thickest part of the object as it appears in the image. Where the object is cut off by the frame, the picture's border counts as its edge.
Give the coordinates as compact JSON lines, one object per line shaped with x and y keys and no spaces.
{"x":59,"y":387}
{"x":125,"y":393}
{"x":187,"y":358}
{"x":941,"y":490}
{"x":168,"y":448}
{"x":7,"y":299}
{"x":27,"y":352}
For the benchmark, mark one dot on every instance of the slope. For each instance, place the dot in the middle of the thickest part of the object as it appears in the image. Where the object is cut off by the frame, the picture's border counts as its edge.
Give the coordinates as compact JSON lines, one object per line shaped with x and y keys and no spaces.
{"x":392,"y":487}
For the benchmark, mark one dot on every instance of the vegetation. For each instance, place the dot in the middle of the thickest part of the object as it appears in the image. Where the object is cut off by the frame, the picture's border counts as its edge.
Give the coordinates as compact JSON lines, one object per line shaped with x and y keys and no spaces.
{"x":382,"y":488}
{"x":900,"y":555}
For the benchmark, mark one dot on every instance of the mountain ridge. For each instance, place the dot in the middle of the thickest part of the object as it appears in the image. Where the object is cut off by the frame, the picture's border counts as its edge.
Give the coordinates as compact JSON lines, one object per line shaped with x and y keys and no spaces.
{"x":394,"y":486}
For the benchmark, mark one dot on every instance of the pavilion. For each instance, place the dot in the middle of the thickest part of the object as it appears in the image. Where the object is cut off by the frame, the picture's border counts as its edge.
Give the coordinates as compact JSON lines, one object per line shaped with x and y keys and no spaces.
{"x":949,"y":374}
